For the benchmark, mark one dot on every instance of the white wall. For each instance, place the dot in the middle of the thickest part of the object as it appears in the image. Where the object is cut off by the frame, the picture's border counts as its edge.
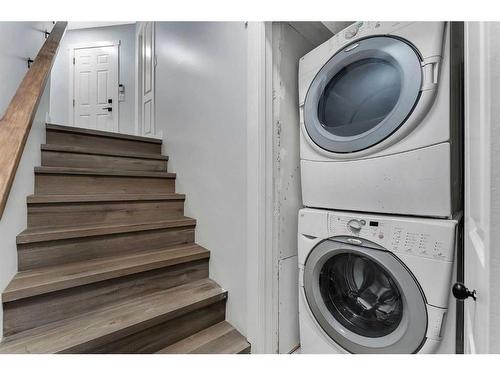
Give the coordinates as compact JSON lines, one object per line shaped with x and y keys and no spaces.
{"x":201,"y":110}
{"x":288,"y":47}
{"x":17,"y":41}
{"x":59,"y":111}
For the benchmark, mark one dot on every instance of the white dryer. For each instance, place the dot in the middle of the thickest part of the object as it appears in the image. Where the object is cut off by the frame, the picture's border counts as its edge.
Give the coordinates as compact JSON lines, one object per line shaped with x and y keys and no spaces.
{"x":374,"y":106}
{"x":375,"y":283}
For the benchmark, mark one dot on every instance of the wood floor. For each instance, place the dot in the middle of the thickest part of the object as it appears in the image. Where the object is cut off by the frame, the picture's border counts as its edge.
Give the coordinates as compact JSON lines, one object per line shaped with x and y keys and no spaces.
{"x":108,"y":263}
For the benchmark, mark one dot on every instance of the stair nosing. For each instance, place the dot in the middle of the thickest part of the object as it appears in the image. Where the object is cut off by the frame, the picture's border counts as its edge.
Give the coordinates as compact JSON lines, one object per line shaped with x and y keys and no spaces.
{"x":71,"y":281}
{"x":96,"y":198}
{"x":90,"y":151}
{"x":168,"y":312}
{"x":62,"y":233}
{"x":242,"y":343}
{"x":101,"y":133}
{"x":194,"y":336}
{"x":103,"y":172}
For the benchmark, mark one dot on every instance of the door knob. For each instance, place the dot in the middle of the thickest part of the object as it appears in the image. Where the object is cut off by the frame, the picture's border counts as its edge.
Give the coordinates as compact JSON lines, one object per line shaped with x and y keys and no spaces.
{"x":110,"y":109}
{"x":461,"y":292}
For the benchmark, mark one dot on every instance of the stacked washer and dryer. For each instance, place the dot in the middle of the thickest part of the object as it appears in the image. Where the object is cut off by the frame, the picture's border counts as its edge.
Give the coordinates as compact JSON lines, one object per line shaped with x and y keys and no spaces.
{"x":381,"y":180}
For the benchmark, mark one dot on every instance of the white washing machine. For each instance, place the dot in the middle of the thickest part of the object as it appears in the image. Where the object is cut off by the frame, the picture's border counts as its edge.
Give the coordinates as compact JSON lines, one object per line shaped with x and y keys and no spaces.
{"x":375,"y":283}
{"x":375,"y":121}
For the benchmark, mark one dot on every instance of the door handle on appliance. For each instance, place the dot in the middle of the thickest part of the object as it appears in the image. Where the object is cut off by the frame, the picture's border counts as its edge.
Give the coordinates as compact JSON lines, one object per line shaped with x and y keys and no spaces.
{"x":350,"y":48}
{"x":461,"y":292}
{"x":430,"y":72}
{"x":355,"y":241}
{"x":109,"y":109}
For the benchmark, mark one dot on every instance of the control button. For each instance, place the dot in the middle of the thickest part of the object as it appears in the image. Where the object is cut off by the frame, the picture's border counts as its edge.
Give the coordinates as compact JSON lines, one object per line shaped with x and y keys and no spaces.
{"x":381,"y":235}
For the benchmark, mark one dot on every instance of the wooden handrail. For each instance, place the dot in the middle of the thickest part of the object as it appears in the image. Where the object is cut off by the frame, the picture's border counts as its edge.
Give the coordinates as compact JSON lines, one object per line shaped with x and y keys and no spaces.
{"x":16,"y":123}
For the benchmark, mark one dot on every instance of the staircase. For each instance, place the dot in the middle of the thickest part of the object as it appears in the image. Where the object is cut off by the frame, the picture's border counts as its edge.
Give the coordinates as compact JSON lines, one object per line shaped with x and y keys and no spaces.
{"x":108,"y":263}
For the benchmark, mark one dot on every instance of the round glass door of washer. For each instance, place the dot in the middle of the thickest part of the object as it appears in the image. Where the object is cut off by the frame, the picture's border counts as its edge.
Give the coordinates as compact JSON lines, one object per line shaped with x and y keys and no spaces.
{"x":365,"y":299}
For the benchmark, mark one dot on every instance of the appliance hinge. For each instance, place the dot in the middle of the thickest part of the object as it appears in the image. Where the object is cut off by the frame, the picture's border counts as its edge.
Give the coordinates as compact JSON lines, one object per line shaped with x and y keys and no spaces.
{"x":73,"y":61}
{"x":73,"y":102}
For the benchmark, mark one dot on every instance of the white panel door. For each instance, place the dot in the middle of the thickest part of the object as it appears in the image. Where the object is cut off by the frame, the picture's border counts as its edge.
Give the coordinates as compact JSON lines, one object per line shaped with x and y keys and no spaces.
{"x":146,"y":66}
{"x":95,"y":86}
{"x":477,"y":187}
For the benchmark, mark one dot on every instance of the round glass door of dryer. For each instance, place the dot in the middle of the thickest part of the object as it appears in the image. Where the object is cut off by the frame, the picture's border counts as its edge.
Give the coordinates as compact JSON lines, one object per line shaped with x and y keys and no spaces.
{"x":363,"y":94}
{"x":365,"y":299}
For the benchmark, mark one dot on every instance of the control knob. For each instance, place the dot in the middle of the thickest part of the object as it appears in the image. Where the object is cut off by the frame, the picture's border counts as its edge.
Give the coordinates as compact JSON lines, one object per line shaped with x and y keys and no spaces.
{"x":355,"y":225}
{"x":351,"y":32}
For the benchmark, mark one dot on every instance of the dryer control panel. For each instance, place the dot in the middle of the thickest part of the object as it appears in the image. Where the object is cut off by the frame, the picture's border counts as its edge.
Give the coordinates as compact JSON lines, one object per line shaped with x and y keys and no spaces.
{"x":362,"y":29}
{"x":428,"y":238}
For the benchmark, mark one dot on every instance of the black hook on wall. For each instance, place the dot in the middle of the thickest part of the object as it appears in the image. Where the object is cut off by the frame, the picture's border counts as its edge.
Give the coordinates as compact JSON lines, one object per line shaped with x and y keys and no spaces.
{"x":30,"y":61}
{"x":47,"y":33}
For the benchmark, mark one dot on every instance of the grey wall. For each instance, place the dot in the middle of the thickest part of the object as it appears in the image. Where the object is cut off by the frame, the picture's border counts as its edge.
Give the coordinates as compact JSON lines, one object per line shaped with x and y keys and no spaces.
{"x":18,"y":41}
{"x":201,"y":111}
{"x":59,"y":111}
{"x":14,"y":218}
{"x":288,"y":47}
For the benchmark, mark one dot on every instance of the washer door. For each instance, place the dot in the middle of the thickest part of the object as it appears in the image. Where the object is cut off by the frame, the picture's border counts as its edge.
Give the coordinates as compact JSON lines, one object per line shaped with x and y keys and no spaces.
{"x":365,"y":299}
{"x":363,"y":94}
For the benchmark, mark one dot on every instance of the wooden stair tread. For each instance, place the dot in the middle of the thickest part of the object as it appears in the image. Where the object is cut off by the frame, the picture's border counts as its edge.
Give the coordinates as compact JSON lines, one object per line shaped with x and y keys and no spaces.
{"x":91,"y":151}
{"x":100,"y":133}
{"x":108,"y":263}
{"x":102,"y":172}
{"x":102,"y":326}
{"x":49,"y":279}
{"x":42,"y":198}
{"x":39,"y":234}
{"x":221,"y":338}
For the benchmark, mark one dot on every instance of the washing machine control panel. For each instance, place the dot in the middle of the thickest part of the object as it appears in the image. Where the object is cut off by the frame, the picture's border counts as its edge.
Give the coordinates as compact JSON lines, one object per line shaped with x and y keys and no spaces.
{"x":428,"y":238}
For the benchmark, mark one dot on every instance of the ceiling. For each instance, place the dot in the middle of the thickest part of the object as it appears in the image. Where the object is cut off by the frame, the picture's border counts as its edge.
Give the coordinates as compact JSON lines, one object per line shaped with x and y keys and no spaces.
{"x":87,"y":25}
{"x":319,"y":32}
{"x":336,"y":26}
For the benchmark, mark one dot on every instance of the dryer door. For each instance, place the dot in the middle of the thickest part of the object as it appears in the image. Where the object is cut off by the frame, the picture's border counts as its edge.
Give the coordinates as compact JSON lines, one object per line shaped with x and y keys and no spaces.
{"x":365,"y":299}
{"x":363,"y":94}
